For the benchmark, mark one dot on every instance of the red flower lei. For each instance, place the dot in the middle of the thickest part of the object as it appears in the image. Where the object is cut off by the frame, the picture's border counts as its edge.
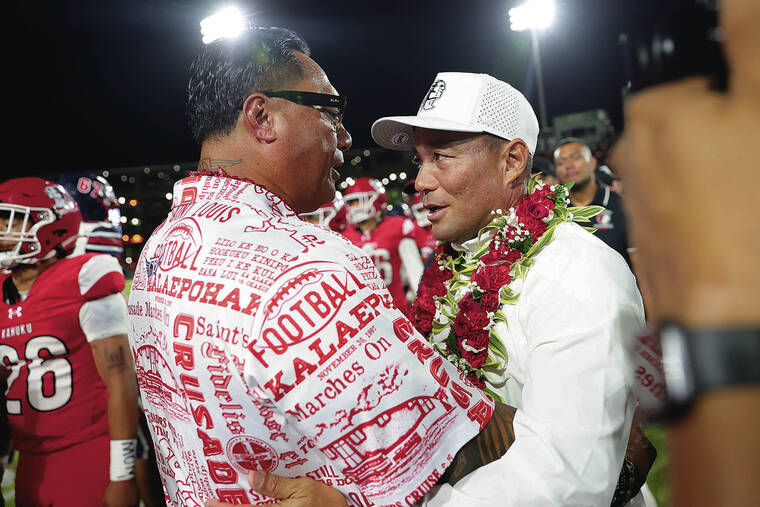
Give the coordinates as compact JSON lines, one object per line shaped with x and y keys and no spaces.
{"x":459,"y":295}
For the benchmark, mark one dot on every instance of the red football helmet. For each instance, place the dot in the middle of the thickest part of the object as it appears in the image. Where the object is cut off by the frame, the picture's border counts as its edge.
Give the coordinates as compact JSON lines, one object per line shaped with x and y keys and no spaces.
{"x":365,"y":199}
{"x":95,"y":197}
{"x":38,"y":220}
{"x":331,"y":215}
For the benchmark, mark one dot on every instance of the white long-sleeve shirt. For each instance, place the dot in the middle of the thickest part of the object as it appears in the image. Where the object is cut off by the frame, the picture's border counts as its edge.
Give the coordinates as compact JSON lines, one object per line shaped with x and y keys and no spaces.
{"x":568,"y":378}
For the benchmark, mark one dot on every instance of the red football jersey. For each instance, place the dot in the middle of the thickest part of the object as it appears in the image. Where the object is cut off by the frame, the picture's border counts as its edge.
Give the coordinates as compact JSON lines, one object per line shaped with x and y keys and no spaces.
{"x":55,"y":396}
{"x":425,"y":241}
{"x":382,"y":245}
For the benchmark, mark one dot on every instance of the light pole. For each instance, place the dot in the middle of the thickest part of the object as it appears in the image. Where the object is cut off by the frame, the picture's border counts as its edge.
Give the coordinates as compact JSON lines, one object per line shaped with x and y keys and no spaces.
{"x":534,"y":15}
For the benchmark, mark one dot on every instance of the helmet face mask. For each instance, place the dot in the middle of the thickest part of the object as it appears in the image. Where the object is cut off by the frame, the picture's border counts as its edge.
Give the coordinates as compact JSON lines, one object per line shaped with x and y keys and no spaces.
{"x":320,"y":216}
{"x":365,"y":199}
{"x":331,"y":215}
{"x":38,"y":220}
{"x":25,"y":236}
{"x":420,"y":214}
{"x":361,"y":207}
{"x":414,"y":209}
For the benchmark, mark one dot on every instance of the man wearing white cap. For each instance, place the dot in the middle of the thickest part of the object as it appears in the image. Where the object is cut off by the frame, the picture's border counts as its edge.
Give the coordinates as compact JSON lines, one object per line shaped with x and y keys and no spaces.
{"x":524,"y":301}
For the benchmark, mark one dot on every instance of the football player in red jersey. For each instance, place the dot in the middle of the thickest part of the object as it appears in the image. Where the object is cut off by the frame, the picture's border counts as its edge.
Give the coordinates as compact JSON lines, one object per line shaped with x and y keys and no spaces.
{"x":101,"y":217}
{"x":415,"y":210}
{"x":71,"y":396}
{"x":389,"y":241}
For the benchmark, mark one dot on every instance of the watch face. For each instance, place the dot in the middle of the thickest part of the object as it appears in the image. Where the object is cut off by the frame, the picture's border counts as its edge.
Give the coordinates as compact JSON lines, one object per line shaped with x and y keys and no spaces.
{"x":645,"y":357}
{"x":678,"y":377}
{"x":664,"y":383}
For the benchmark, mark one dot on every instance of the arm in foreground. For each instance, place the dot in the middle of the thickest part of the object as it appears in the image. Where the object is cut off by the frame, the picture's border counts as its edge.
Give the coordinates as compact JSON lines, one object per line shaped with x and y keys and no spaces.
{"x":489,"y":445}
{"x":694,"y":132}
{"x":499,"y":434}
{"x":114,"y":363}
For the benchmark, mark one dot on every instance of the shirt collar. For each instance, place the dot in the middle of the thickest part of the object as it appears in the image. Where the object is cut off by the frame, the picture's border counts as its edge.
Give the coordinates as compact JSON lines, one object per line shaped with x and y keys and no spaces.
{"x":229,"y":190}
{"x":473,"y":245}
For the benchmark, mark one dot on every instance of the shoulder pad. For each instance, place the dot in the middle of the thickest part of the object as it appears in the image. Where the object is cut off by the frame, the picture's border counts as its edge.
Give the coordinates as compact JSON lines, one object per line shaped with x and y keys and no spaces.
{"x":407,"y":227}
{"x":100,"y":276}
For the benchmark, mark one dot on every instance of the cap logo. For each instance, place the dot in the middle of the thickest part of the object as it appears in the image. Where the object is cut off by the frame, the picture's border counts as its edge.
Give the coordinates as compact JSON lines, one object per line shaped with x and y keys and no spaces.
{"x":401,"y":138}
{"x":435,"y":93}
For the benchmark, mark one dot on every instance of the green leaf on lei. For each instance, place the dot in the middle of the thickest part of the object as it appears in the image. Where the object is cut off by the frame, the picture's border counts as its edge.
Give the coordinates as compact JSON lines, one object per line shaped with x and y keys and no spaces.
{"x":546,"y":238}
{"x":493,"y":395}
{"x":495,"y":344}
{"x":585,"y":211}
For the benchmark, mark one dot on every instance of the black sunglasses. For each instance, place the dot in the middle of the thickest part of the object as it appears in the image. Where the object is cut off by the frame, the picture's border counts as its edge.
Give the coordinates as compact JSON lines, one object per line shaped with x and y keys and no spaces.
{"x":314,"y":99}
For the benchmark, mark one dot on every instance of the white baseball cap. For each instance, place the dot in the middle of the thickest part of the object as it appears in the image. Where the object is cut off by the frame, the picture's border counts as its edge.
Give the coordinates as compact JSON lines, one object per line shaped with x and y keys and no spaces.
{"x":464,"y":102}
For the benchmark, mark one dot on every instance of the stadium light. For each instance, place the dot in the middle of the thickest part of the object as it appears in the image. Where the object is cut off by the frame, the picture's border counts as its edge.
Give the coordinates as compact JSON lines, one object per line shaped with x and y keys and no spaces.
{"x":532,"y":15}
{"x":228,"y":22}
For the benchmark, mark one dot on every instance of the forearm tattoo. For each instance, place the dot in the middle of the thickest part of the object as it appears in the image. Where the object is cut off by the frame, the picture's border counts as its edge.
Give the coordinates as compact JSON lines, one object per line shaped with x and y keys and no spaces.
{"x":489,"y":445}
{"x":115,"y":358}
{"x":211,"y":164}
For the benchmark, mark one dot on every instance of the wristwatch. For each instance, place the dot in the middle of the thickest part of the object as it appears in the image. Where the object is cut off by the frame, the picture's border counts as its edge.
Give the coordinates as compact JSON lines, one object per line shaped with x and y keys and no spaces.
{"x":700,"y":360}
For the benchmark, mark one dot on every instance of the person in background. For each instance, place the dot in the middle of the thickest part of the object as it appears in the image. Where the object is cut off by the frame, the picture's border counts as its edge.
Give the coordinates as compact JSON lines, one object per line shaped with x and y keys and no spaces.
{"x":101,"y":217}
{"x":331,"y":215}
{"x":100,"y":233}
{"x":544,"y":166}
{"x":608,"y":177}
{"x":698,"y":240}
{"x":71,"y":398}
{"x":523,"y":300}
{"x":416,"y":212}
{"x":388,"y":240}
{"x":575,"y":164}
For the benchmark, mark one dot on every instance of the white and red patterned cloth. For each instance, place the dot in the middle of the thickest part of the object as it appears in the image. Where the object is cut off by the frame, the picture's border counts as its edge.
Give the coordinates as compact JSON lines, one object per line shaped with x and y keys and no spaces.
{"x":264,"y":342}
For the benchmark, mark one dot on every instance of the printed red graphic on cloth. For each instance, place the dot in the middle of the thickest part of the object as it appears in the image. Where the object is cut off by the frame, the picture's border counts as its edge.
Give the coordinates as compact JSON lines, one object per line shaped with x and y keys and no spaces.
{"x":158,"y":384}
{"x":378,"y":464}
{"x":306,"y":241}
{"x":180,"y":246}
{"x":250,"y":453}
{"x":266,"y":354}
{"x":383,"y":384}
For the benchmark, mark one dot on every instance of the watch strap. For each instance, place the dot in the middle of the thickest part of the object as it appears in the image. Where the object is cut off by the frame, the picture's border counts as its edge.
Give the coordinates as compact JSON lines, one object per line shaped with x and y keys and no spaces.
{"x":724,"y":357}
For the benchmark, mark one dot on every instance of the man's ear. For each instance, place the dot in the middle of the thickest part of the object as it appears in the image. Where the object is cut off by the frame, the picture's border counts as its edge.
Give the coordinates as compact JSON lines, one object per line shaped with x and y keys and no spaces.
{"x":517,"y":156}
{"x":258,"y":118}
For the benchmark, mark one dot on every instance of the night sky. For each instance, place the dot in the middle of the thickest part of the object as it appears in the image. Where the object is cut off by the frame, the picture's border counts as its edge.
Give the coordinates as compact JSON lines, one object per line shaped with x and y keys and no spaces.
{"x":94,"y":85}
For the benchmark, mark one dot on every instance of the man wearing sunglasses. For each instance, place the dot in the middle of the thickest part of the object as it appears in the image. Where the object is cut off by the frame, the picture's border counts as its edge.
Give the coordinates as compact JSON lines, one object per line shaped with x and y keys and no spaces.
{"x":266,"y":344}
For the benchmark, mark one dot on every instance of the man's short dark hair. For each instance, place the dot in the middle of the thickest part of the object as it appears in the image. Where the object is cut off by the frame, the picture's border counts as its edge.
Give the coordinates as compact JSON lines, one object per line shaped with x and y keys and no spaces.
{"x":570,"y":140}
{"x":585,"y":148}
{"x":492,"y":142}
{"x":228,"y":70}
